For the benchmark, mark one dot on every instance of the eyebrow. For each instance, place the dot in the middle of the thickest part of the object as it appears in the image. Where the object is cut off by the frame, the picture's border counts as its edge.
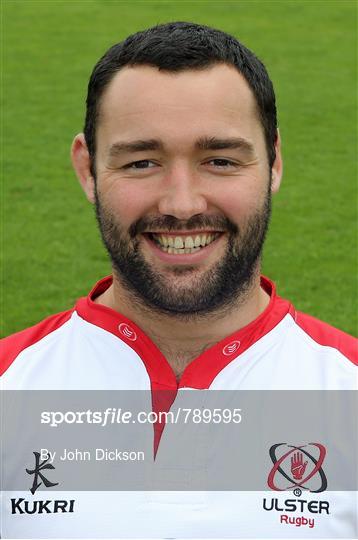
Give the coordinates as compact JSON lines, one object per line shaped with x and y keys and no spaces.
{"x":135,"y":146}
{"x":232,"y":143}
{"x":204,"y":143}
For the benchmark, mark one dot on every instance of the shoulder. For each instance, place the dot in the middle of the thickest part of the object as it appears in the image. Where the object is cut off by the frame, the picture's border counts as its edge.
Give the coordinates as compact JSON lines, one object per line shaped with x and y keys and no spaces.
{"x":325,"y":335}
{"x":15,"y":344}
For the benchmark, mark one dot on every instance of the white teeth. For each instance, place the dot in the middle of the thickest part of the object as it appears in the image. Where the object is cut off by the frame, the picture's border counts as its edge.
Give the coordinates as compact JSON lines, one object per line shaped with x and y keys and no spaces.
{"x":174,"y":251}
{"x":178,"y":242}
{"x":203,"y":240}
{"x":189,"y":242}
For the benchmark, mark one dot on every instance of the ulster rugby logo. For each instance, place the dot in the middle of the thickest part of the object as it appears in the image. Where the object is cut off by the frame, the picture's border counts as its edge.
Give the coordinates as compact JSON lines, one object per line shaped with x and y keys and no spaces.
{"x":300,"y":466}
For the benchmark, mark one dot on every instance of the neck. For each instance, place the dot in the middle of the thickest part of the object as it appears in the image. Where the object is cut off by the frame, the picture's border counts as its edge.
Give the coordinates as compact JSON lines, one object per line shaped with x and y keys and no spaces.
{"x":182,"y":339}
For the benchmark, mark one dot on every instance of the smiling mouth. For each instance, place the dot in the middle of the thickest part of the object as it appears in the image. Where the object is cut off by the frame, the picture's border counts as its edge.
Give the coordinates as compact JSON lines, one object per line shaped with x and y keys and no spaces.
{"x":183,"y":244}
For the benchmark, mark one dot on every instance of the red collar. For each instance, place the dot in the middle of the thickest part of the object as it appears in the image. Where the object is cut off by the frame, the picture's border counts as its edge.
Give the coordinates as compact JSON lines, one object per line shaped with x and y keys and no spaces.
{"x":202,"y":370}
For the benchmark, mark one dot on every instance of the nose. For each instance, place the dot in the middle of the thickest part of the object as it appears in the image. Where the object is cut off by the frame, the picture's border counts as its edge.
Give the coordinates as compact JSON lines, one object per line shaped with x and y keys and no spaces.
{"x":182,"y":195}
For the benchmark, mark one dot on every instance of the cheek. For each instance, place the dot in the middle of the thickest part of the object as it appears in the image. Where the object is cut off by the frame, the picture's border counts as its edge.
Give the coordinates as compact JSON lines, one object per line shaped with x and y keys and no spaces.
{"x":127,"y":201}
{"x":239,"y":204}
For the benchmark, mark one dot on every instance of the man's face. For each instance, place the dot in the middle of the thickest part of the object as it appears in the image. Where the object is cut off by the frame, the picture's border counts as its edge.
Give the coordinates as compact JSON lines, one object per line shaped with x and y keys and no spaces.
{"x":182,"y":186}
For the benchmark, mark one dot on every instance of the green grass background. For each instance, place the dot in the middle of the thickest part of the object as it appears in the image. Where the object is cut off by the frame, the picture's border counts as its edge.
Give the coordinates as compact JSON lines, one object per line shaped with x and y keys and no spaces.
{"x":51,"y":250}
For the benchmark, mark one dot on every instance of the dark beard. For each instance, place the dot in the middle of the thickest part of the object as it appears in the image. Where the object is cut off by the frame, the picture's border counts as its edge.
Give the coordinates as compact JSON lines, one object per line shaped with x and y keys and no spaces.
{"x":216,"y":290}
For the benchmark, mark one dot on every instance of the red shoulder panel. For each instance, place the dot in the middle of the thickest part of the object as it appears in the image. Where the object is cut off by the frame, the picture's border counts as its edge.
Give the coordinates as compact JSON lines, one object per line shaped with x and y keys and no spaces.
{"x":12,"y":346}
{"x":324,"y":334}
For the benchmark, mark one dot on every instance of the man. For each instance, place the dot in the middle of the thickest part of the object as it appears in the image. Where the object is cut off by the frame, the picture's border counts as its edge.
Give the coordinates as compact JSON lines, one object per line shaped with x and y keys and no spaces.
{"x":180,"y":155}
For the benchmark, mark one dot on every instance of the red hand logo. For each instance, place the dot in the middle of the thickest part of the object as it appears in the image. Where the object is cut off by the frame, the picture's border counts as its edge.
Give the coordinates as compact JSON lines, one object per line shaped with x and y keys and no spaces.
{"x":297,"y":466}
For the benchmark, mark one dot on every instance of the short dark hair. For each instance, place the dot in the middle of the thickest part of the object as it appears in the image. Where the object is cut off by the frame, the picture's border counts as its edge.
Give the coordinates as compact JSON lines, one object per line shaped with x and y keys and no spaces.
{"x":180,"y":46}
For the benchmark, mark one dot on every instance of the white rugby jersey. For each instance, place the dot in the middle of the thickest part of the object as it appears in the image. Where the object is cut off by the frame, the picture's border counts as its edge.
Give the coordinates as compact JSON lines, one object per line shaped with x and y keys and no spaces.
{"x":92,"y":347}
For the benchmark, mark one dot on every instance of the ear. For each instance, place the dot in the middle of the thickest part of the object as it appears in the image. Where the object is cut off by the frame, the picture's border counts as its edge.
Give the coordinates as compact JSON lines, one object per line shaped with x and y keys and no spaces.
{"x":277,"y":167}
{"x":81,"y":163}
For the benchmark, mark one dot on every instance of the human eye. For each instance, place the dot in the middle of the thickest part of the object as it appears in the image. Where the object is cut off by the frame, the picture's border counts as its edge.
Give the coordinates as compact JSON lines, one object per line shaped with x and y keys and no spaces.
{"x":222,"y":163}
{"x":141,"y":164}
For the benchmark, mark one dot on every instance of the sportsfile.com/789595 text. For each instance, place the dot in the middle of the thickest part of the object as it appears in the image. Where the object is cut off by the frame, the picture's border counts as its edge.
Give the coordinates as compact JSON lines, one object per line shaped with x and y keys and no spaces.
{"x":112,"y":415}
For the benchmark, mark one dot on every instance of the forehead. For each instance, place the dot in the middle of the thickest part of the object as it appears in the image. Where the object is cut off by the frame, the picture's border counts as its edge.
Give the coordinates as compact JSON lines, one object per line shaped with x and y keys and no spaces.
{"x":143,"y":98}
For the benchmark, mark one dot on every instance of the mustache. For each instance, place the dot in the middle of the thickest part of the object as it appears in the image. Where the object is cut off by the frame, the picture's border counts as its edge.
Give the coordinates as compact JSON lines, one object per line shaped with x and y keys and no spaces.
{"x":171,"y":223}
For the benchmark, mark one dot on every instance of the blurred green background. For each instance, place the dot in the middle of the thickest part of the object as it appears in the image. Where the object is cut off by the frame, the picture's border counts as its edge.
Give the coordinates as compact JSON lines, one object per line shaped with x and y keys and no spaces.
{"x":51,"y":250}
